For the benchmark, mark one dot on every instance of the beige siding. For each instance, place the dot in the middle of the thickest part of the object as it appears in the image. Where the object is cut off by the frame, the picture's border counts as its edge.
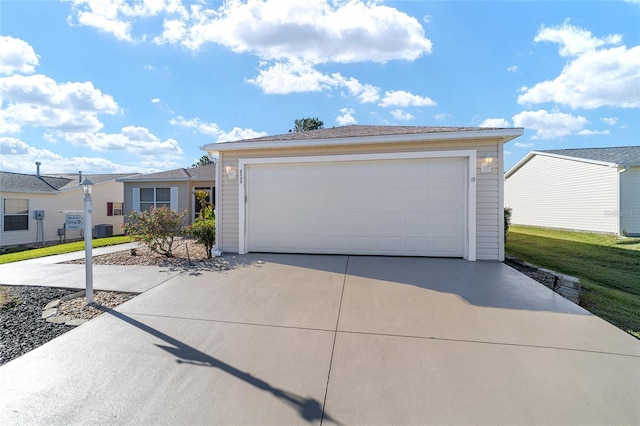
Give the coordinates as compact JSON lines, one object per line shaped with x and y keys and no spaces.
{"x":560,"y":193}
{"x":52,"y":204}
{"x":630,"y":201}
{"x":489,"y":221}
{"x":185,"y":194}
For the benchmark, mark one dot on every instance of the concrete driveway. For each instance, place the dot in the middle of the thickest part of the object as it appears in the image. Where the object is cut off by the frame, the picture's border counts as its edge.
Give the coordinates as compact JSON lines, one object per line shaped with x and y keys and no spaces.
{"x":295,"y":339}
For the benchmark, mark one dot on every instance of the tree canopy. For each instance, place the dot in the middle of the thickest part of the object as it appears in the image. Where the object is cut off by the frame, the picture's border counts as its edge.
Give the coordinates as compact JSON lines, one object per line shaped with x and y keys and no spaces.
{"x":307,"y":123}
{"x":203,"y":161}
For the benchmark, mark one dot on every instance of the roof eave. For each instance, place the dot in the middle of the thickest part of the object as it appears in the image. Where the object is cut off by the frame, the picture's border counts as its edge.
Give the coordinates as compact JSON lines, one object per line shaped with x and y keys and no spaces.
{"x":125,"y":180}
{"x":526,"y":158}
{"x":505,"y":135}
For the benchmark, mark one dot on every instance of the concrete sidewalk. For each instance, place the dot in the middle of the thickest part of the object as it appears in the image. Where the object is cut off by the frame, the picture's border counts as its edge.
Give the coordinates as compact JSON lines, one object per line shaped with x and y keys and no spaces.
{"x":294,"y":339}
{"x":49,"y":271}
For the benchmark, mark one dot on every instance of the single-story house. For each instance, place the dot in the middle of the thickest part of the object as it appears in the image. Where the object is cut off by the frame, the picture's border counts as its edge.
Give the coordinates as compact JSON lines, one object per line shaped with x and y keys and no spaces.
{"x":173,"y":188}
{"x":371,"y":190}
{"x":34,"y":208}
{"x":589,"y":189}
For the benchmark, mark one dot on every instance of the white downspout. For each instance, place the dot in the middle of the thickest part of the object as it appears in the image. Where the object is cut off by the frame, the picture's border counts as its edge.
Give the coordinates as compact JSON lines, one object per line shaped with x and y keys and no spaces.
{"x":215,"y":251}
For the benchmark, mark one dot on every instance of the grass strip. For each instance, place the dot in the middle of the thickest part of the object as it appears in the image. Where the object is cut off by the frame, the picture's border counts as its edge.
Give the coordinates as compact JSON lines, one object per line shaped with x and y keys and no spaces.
{"x":608,"y":268}
{"x":61,"y":249}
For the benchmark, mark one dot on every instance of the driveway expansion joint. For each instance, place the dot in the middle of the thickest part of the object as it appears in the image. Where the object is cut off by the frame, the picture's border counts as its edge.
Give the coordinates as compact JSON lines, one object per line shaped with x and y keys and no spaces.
{"x":485,"y":342}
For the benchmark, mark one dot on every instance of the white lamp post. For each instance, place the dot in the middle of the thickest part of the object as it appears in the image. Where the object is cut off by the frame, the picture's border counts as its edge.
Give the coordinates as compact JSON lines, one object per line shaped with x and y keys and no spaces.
{"x":87,"y":186}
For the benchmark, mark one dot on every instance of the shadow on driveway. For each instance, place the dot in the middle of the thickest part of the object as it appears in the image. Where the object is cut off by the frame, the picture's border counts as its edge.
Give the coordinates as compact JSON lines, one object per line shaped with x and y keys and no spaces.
{"x":308,"y":408}
{"x":483,"y":283}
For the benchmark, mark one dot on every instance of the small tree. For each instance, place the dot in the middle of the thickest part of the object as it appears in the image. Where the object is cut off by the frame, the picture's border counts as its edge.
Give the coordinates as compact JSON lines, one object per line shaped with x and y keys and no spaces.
{"x":157,"y":228}
{"x":307,"y":123}
{"x":507,"y":222}
{"x":203,"y":229}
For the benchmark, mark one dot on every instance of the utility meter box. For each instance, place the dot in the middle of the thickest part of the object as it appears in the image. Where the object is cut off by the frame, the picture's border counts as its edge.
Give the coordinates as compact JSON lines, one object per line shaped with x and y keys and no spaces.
{"x":38,"y":214}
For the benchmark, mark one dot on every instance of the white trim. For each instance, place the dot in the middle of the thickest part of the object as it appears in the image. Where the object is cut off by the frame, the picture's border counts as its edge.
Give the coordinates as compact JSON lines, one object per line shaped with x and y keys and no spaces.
{"x":501,"y":247}
{"x":530,"y":155}
{"x":505,"y":134}
{"x":471,"y":155}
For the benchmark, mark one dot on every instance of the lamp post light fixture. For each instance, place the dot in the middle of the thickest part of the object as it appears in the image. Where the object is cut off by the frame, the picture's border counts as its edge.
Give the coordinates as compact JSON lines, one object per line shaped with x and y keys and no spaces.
{"x":87,"y":187}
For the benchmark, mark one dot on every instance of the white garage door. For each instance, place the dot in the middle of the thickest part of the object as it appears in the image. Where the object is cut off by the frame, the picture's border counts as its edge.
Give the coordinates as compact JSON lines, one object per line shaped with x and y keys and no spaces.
{"x":407,"y":207}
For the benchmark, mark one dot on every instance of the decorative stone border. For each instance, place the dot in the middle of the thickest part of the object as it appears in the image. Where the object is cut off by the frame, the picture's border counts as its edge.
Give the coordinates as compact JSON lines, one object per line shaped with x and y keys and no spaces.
{"x":565,"y":285}
{"x":50,"y":311}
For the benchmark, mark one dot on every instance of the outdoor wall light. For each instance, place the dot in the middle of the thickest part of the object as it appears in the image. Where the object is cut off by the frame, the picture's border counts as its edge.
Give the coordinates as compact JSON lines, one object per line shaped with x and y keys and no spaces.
{"x":229,"y":170}
{"x":485,"y":167}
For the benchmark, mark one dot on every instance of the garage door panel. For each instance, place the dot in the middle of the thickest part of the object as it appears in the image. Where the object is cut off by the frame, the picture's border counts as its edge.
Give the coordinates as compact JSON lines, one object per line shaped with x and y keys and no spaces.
{"x":393,"y":207}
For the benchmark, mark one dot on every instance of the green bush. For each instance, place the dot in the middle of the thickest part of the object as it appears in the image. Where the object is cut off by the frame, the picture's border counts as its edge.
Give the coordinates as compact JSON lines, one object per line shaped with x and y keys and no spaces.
{"x":203,"y":229}
{"x":507,"y":222}
{"x":157,"y":228}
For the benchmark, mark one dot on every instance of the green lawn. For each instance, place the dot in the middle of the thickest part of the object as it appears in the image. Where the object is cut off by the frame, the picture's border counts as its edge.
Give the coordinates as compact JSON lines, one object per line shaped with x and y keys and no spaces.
{"x":608,"y":268}
{"x":60,"y":249}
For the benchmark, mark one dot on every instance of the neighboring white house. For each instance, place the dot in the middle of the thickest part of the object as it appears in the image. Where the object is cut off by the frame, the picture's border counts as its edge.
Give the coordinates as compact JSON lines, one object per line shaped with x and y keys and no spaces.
{"x":33,"y":207}
{"x":173,"y":188}
{"x":374,"y":190}
{"x":590,"y":189}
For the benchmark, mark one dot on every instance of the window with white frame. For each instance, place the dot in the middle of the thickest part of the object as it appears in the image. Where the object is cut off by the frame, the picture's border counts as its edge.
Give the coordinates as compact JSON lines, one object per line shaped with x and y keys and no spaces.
{"x":146,"y":198}
{"x":154,"y":197}
{"x":114,"y":208}
{"x":15,"y":215}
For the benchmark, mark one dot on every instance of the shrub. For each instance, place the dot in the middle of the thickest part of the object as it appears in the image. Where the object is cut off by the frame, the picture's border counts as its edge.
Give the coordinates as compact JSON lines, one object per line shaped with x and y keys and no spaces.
{"x":203,"y":229}
{"x":157,"y":228}
{"x":507,"y":222}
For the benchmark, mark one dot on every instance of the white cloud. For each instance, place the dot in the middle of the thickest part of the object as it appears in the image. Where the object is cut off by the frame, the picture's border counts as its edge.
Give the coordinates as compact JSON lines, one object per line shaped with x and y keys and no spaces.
{"x":495,"y":122}
{"x":550,"y":124}
{"x":16,"y":56}
{"x":317,"y":31}
{"x":574,"y":41}
{"x":441,"y":117}
{"x":594,"y":76}
{"x":399,"y":114}
{"x":40,"y":101}
{"x":212,"y":129}
{"x":291,"y":77}
{"x":523,"y":145}
{"x":155,"y":100}
{"x":18,"y":156}
{"x":593,"y":132}
{"x":347,"y":117}
{"x":239,"y":134}
{"x":366,"y":93}
{"x":138,"y":141}
{"x":116,"y":17}
{"x":513,"y":68}
{"x":401,"y":98}
{"x":611,"y":121}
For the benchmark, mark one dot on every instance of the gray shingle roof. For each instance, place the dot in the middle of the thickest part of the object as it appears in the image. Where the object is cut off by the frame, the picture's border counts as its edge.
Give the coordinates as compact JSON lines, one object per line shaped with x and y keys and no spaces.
{"x":207,"y":172}
{"x":20,"y":182}
{"x":623,"y":155}
{"x":360,"y":131}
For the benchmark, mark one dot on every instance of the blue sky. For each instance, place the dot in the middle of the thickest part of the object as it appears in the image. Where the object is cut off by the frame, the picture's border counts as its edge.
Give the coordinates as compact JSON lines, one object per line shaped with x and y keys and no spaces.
{"x":107,"y":86}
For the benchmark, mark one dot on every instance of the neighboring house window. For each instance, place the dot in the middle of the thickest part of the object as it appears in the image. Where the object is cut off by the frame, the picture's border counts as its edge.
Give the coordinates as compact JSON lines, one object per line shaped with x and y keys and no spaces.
{"x":145,"y":198}
{"x":154,"y":197}
{"x":16,"y":215}
{"x":114,"y":209}
{"x":196,"y":204}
